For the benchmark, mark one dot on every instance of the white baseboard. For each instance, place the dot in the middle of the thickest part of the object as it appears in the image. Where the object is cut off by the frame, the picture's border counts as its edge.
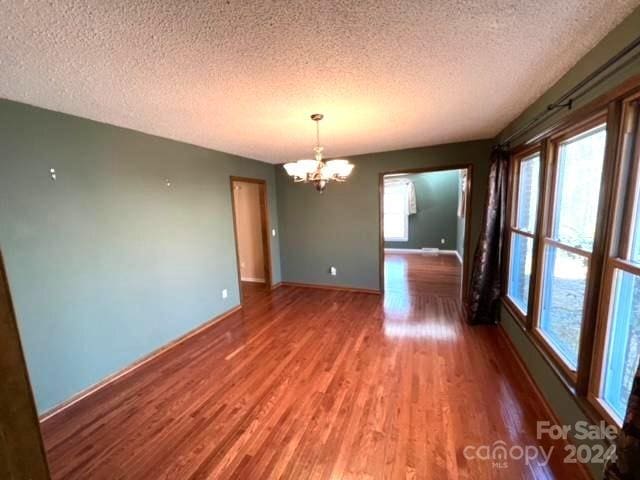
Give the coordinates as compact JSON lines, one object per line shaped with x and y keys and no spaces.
{"x":252,"y":279}
{"x":403,"y":250}
{"x":458,"y":255}
{"x":419,"y":250}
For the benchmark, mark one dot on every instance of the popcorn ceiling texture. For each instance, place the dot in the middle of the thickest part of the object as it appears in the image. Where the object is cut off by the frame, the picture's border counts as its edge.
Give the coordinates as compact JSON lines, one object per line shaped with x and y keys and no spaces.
{"x":244,"y":76}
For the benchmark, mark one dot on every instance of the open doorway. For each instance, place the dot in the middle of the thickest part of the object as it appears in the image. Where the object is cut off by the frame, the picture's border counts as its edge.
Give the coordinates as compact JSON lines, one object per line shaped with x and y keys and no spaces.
{"x":424,"y":226}
{"x":250,"y":221}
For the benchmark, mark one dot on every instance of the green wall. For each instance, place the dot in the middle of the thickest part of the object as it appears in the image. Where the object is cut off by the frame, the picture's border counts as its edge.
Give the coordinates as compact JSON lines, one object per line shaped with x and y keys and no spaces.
{"x":563,"y":403}
{"x":460,"y":222}
{"x":437,"y":211}
{"x":341,"y":227}
{"x":107,"y":263}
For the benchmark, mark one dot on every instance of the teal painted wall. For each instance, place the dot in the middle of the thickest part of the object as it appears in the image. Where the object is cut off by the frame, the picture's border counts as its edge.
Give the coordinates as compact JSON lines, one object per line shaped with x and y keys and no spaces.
{"x":341,"y":227}
{"x":563,"y":402}
{"x":107,"y":263}
{"x":436,"y":216}
{"x":460,"y":221}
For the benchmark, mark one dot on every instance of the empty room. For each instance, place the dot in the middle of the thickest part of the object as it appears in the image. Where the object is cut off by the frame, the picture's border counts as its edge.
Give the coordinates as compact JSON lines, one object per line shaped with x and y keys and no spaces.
{"x":320,"y":240}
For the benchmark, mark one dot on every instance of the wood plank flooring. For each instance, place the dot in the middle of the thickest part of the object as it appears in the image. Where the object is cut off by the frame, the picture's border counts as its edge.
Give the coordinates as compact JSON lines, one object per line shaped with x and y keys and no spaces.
{"x":316,"y":384}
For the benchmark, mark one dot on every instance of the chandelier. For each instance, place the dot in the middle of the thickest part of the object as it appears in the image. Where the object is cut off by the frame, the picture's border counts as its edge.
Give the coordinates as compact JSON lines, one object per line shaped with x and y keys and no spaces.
{"x":318,"y":171}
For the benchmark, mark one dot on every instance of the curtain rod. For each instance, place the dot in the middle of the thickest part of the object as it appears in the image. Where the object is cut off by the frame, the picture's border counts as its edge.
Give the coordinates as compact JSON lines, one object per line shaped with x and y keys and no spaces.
{"x":568,"y":98}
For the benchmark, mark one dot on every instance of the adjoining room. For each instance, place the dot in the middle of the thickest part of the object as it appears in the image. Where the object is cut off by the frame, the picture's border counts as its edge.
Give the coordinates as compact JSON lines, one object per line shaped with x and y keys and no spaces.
{"x":320,"y":240}
{"x":424,"y":222}
{"x":251,"y":220}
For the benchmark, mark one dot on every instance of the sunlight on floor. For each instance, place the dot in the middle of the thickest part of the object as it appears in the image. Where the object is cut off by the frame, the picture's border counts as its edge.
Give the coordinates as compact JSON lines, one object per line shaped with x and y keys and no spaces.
{"x":420,"y":330}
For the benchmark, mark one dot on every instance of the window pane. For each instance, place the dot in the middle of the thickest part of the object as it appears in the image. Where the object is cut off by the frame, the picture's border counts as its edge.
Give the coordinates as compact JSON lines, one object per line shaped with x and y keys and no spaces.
{"x":394,"y":201}
{"x":520,"y":270}
{"x":563,"y":301}
{"x":578,"y":188}
{"x":528,"y":193}
{"x":395,"y":226}
{"x":623,"y":350}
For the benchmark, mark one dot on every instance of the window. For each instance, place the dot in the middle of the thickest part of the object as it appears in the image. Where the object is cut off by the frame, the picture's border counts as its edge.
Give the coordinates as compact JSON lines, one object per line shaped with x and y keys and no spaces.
{"x":623,"y":348}
{"x":619,"y":334}
{"x":568,"y":241}
{"x":522,"y":229}
{"x":520,"y":270}
{"x":563,"y":301}
{"x":578,"y":188}
{"x":581,"y":265}
{"x":527,"y":208}
{"x":395,"y":209}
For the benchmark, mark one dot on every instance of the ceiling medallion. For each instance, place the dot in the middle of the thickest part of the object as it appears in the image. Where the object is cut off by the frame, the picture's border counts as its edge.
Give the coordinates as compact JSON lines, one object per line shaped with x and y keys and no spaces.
{"x":318,"y":171}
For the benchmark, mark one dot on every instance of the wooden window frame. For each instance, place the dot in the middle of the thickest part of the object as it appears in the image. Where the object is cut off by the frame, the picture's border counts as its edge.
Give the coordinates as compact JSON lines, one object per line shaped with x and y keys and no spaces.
{"x":584,"y":384}
{"x":515,"y":164}
{"x":625,"y":202}
{"x":546,"y":239}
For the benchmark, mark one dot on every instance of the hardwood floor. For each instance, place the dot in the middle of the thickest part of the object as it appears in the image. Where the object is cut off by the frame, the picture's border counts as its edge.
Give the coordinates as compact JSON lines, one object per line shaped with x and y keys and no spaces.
{"x":417,"y":274}
{"x":316,"y":384}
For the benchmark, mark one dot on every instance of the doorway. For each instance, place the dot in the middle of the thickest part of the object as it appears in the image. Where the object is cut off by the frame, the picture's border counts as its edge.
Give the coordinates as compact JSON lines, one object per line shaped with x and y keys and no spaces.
{"x":251,"y":228}
{"x":424,"y":230}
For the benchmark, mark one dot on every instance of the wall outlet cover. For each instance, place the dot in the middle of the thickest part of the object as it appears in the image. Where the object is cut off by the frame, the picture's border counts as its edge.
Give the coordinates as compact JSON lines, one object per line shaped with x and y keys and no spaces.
{"x":333,"y":271}
{"x":225,"y":293}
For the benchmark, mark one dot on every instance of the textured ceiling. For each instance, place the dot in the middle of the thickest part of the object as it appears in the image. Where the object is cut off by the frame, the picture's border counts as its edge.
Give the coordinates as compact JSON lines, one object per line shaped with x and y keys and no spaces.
{"x":243,"y":76}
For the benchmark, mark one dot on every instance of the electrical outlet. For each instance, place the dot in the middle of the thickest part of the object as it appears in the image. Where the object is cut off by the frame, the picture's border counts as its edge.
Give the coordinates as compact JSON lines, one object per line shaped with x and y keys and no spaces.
{"x":442,"y":241}
{"x":333,"y":271}
{"x":225,"y":294}
{"x":273,"y":232}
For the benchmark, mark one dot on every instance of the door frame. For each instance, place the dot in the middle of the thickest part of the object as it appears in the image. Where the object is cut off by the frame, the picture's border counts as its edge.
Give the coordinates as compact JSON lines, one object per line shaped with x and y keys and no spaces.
{"x":264,"y":229}
{"x":22,"y":452}
{"x":466,"y":260}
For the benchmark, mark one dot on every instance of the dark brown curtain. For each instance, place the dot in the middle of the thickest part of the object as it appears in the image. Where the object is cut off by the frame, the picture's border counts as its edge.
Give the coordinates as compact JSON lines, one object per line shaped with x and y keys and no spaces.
{"x":626,"y":463}
{"x":484,"y":292}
